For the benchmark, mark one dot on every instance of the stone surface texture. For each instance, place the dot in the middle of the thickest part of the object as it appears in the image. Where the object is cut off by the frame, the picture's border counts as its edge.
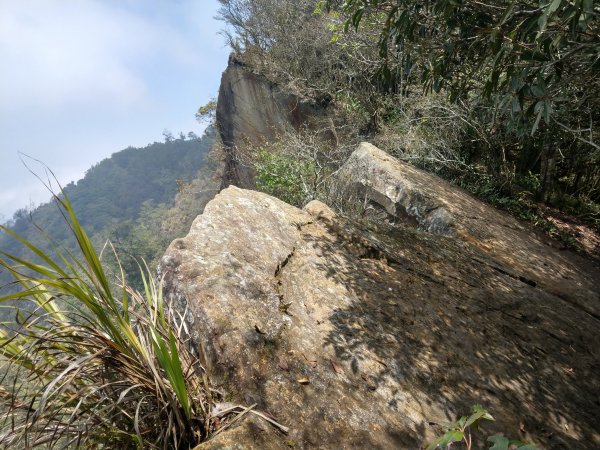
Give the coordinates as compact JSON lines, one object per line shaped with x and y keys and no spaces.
{"x":412,"y":196}
{"x":360,"y":336}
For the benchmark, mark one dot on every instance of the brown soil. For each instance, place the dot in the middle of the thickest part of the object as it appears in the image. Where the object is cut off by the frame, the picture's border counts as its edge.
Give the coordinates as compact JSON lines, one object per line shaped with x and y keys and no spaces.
{"x":587,"y":238}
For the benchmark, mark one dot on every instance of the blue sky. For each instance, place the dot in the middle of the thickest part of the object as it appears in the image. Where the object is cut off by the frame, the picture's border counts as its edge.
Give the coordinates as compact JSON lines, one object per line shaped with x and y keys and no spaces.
{"x":82,"y":79}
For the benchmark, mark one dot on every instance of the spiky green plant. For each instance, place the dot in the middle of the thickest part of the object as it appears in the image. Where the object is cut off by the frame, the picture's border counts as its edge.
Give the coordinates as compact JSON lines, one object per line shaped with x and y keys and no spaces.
{"x":88,"y":364}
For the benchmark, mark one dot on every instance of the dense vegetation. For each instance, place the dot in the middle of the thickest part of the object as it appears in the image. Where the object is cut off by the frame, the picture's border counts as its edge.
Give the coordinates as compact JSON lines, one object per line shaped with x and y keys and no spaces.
{"x":500,"y":97}
{"x":139,"y":198}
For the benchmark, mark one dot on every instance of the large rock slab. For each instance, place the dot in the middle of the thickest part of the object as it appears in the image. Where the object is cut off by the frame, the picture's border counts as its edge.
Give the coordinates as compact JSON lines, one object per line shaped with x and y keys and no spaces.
{"x":358,"y":337}
{"x":414,"y":197}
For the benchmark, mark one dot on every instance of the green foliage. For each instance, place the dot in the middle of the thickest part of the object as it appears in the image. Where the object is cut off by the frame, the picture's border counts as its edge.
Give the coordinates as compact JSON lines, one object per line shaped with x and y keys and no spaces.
{"x":582,"y":208}
{"x":283,"y":176}
{"x":117,"y":187}
{"x":525,"y":71}
{"x":206,"y":112}
{"x":502,"y":443}
{"x":460,"y":431}
{"x":514,"y":51}
{"x":298,"y":166}
{"x":137,"y":240}
{"x":112,"y":367}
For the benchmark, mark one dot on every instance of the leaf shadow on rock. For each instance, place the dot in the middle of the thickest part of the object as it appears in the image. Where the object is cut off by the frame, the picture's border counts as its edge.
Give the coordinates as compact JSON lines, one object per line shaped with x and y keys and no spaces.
{"x":434,"y":327}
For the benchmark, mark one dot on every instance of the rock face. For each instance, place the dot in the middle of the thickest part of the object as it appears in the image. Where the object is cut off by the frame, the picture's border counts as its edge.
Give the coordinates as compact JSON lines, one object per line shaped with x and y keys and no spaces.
{"x":414,"y":197}
{"x":359,"y":336}
{"x":253,"y":110}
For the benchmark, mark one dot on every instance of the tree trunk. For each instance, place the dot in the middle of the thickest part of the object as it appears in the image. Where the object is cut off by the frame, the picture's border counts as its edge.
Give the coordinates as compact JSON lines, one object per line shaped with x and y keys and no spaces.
{"x":547,"y":171}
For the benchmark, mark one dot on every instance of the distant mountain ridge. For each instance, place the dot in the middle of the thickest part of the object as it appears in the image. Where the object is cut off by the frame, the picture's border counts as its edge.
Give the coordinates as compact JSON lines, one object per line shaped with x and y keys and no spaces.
{"x":117,"y":186}
{"x":126,"y":198}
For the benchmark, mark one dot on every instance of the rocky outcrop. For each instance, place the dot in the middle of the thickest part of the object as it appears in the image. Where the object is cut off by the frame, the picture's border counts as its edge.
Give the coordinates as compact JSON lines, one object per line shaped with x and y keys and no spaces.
{"x":251,"y":110}
{"x":413,"y":197}
{"x":359,"y":336}
{"x":409,"y":196}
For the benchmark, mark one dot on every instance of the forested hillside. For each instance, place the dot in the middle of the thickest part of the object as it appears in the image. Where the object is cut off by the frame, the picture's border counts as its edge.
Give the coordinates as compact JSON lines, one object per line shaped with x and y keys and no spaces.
{"x":139,"y":198}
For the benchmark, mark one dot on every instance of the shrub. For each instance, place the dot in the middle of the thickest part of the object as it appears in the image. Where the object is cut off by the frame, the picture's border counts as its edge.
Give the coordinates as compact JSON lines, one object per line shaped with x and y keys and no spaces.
{"x":460,"y":431}
{"x":298,"y":166}
{"x":287,"y":178}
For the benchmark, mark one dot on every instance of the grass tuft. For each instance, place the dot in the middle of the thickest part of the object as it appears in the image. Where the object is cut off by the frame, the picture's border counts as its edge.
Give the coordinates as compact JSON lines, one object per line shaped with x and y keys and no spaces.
{"x":89,"y":361}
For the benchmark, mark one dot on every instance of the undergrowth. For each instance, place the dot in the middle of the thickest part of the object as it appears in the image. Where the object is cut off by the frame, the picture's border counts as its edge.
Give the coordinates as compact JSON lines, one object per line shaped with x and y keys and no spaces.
{"x":461,"y":432}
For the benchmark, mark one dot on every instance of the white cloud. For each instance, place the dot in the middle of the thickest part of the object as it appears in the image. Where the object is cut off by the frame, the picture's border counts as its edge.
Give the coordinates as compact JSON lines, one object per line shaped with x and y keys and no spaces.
{"x":82,"y":79}
{"x":56,"y":54}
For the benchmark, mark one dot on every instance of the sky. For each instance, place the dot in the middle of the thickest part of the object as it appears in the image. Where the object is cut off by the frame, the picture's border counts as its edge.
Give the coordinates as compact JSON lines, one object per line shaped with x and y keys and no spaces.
{"x":82,"y":79}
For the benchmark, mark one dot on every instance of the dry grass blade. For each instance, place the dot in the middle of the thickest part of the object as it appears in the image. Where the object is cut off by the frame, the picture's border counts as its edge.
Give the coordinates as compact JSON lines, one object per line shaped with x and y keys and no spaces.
{"x":244,"y":411}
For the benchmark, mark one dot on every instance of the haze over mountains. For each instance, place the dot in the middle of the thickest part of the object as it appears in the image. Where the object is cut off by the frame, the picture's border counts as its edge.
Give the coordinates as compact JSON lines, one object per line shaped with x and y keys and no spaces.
{"x":82,"y":80}
{"x":139,"y":198}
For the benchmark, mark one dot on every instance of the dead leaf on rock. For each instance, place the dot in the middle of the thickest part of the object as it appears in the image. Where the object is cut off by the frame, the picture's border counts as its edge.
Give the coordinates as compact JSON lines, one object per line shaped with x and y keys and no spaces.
{"x":283,"y":364}
{"x":336,"y":367}
{"x":312,"y":362}
{"x":381,"y":362}
{"x":369,"y":381}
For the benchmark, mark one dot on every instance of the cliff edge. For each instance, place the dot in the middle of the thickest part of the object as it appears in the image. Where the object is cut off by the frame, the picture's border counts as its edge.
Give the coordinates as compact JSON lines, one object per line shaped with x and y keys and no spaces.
{"x":251,"y":110}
